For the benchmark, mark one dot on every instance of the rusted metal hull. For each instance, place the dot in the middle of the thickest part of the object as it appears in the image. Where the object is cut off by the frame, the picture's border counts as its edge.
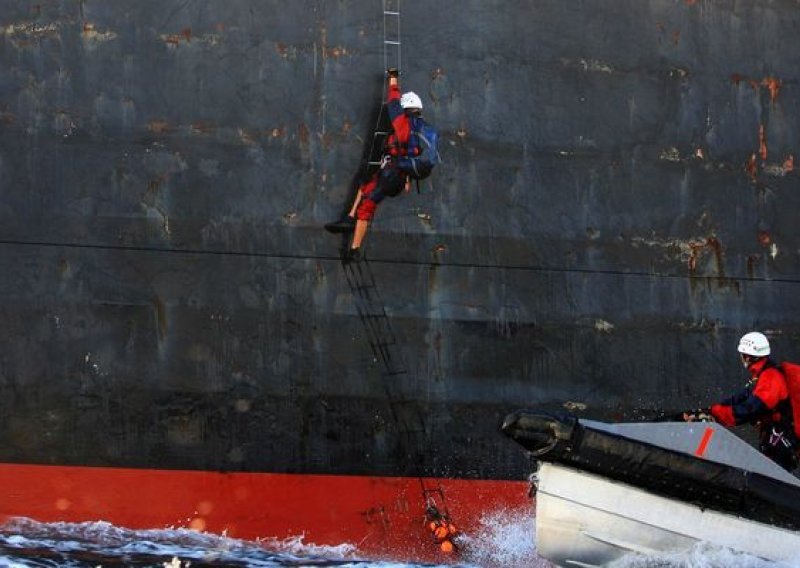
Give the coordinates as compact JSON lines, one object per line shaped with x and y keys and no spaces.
{"x":617,"y":204}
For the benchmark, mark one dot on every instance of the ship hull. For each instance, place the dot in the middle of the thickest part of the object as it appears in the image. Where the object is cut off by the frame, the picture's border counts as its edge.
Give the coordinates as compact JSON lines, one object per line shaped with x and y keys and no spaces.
{"x":616,"y":204}
{"x":362,"y":516}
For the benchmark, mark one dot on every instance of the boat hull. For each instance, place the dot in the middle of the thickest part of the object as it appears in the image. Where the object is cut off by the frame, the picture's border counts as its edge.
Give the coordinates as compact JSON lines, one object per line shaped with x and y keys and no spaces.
{"x":583,"y":519}
{"x":381,"y":517}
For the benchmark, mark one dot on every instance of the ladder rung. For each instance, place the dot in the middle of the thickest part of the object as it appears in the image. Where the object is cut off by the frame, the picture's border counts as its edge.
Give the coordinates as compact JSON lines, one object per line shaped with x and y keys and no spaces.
{"x":390,"y":42}
{"x":391,"y":13}
{"x":373,"y":163}
{"x":381,"y":133}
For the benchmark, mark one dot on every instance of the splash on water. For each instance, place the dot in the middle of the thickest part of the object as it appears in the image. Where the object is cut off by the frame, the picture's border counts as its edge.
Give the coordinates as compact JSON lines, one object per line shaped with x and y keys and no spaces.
{"x":505,"y":539}
{"x":702,"y":555}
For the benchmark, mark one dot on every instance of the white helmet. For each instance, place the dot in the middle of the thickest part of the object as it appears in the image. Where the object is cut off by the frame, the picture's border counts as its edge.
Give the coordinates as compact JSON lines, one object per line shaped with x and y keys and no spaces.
{"x":755,"y":344}
{"x":410,"y":100}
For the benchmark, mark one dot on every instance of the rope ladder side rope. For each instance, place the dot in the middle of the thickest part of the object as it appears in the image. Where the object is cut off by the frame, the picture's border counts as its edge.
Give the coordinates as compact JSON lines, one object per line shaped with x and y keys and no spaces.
{"x":369,"y":305}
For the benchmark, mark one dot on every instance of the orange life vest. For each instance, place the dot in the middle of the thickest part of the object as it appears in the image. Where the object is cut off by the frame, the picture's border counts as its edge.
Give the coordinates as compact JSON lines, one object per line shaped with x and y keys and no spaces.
{"x":443,"y":532}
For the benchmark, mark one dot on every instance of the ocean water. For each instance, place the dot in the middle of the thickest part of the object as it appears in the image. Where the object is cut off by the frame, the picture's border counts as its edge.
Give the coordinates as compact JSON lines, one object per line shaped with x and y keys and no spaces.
{"x":505,"y":541}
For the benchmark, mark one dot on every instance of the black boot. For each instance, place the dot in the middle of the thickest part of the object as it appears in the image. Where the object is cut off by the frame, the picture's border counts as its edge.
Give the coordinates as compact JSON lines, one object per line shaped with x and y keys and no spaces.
{"x":352,"y":255}
{"x":344,"y":225}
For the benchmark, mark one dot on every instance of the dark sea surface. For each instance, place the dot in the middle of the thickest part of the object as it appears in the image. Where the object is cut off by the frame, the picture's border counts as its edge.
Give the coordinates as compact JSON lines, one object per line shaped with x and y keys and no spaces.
{"x":505,"y":543}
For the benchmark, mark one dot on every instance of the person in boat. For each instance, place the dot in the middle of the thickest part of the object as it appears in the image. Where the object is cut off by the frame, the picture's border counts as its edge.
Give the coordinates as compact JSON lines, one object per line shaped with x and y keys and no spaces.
{"x":390,"y":180}
{"x":443,"y":531}
{"x":763,"y":402}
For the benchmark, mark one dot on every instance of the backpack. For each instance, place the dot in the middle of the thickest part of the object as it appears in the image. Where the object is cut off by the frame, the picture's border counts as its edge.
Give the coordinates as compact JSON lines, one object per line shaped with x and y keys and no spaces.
{"x":424,"y":137}
{"x":792,"y":373}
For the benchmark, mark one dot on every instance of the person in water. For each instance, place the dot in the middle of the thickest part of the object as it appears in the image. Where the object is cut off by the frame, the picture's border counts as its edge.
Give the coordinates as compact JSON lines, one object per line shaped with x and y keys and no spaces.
{"x":763,"y":402}
{"x":390,"y":179}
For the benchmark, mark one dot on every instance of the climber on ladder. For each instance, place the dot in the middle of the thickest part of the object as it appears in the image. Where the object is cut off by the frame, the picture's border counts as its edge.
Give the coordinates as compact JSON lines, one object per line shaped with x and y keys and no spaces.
{"x":409,"y":152}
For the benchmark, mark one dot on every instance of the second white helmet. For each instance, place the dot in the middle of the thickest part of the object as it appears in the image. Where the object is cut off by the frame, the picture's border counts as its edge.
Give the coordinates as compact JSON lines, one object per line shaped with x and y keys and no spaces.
{"x":410,"y":100}
{"x":755,"y":344}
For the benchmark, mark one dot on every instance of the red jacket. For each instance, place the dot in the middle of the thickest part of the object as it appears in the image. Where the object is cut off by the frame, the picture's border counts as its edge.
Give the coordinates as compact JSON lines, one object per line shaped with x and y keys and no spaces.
{"x":762,"y":400}
{"x":397,"y":142}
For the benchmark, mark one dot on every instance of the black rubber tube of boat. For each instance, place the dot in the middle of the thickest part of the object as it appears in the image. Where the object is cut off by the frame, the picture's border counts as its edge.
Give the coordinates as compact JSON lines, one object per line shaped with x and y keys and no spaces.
{"x":562,"y":439}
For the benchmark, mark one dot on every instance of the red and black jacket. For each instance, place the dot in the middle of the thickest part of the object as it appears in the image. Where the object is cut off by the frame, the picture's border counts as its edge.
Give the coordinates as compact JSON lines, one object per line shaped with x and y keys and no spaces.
{"x":765,"y":399}
{"x":397,"y":144}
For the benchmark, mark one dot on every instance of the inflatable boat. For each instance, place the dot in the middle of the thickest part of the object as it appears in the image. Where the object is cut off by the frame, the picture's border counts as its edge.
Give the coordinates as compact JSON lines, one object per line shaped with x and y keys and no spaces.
{"x":606,"y":490}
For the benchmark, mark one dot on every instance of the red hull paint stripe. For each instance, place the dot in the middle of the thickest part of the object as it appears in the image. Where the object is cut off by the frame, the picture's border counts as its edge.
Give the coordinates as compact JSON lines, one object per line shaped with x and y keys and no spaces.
{"x":703,"y":445}
{"x":382,"y":516}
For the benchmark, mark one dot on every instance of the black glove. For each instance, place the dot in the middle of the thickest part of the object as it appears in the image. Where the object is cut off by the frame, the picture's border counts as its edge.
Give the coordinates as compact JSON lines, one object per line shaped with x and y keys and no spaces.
{"x":393,"y":72}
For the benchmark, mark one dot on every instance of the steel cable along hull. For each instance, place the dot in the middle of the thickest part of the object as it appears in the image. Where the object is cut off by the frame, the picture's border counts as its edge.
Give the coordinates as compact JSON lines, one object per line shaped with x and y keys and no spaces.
{"x":616,"y":204}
